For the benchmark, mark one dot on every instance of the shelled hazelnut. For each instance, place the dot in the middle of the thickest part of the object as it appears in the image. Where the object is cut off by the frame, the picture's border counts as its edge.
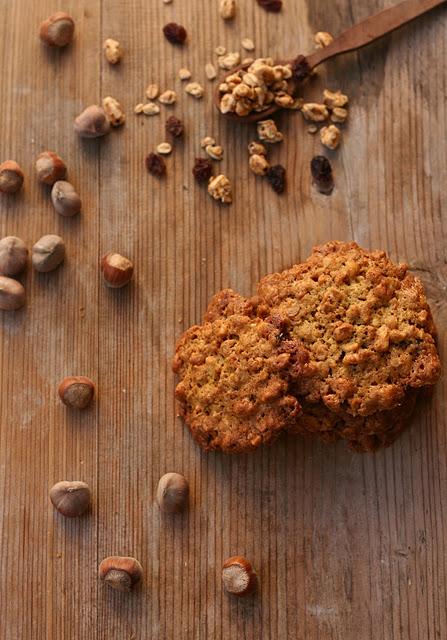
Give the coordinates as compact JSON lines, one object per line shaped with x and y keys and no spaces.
{"x":92,"y":122}
{"x":11,"y":177}
{"x":120,"y":573}
{"x":12,"y":294}
{"x":238,"y":576}
{"x":48,"y":253}
{"x":13,"y":256}
{"x":172,"y":493}
{"x":50,"y":167}
{"x":57,"y":30}
{"x":65,"y":200}
{"x":116,"y":270}
{"x":76,"y":392}
{"x":71,"y":499}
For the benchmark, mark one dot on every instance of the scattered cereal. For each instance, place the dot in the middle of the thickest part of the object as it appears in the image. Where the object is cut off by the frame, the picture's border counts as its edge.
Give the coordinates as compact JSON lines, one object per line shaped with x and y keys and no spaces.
{"x":247,"y":61}
{"x":339,"y":114}
{"x":210,"y":71}
{"x":220,"y":50}
{"x":152,"y":91}
{"x":312,"y":128}
{"x":229,"y":60}
{"x":333,"y":99}
{"x":168,"y":97}
{"x":151,"y":109}
{"x":206,"y":141}
{"x":256,"y":148}
{"x":195,"y":89}
{"x":248,"y":44}
{"x":276,"y":175}
{"x":258,"y":164}
{"x":227,"y":9}
{"x":214,"y":151}
{"x":330,"y":136}
{"x":175,"y":127}
{"x":167,"y":1}
{"x":164,"y":148}
{"x":219,"y":188}
{"x":155,"y":165}
{"x":184,"y":74}
{"x":174,"y":33}
{"x":268,"y":132}
{"x":114,"y":111}
{"x":315,"y":112}
{"x":112,"y":51}
{"x":138,"y":108}
{"x":323,"y":39}
{"x":202,"y":169}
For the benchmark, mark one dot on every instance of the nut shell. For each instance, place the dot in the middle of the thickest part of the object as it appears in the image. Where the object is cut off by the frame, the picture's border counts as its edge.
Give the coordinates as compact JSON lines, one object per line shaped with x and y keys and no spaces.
{"x":172,"y":493}
{"x":11,"y":177}
{"x":57,"y":30}
{"x":71,"y":499}
{"x":13,"y":256}
{"x":12,"y":294}
{"x":48,"y":253}
{"x":120,"y":573}
{"x":92,"y":122}
{"x":116,"y":270}
{"x":238,"y":576}
{"x":50,"y":167}
{"x":65,"y":200}
{"x":76,"y":392}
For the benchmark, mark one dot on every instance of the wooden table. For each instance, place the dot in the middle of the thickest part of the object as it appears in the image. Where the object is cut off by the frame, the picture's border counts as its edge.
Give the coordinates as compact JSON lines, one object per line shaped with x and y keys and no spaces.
{"x":348,"y":547}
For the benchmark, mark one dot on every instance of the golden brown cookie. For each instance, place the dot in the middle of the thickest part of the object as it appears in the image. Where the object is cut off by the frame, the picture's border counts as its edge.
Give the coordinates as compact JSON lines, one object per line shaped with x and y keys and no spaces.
{"x":365,"y":322}
{"x":228,"y":303}
{"x":234,"y":382}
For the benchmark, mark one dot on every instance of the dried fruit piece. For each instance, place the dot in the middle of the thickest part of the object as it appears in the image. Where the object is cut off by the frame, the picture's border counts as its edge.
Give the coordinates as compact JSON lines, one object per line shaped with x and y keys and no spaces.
{"x":174,"y":33}
{"x":321,"y":170}
{"x":155,"y":165}
{"x":271,"y":5}
{"x":175,"y":127}
{"x":276,"y":175}
{"x":202,"y":169}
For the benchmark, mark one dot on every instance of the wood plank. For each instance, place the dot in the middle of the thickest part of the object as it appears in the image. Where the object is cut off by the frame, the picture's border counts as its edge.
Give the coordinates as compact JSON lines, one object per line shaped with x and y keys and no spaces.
{"x":347,"y":546}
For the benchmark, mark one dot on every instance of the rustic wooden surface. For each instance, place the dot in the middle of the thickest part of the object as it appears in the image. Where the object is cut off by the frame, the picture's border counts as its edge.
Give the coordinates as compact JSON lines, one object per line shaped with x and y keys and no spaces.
{"x":347,"y":546}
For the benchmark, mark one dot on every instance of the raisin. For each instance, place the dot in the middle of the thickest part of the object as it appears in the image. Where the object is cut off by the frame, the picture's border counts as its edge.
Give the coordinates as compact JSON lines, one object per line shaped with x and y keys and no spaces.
{"x":175,"y":33}
{"x":322,"y":174}
{"x":271,"y":5}
{"x":175,"y":127}
{"x":155,"y":165}
{"x":276,"y":175}
{"x":202,"y":169}
{"x":300,"y":68}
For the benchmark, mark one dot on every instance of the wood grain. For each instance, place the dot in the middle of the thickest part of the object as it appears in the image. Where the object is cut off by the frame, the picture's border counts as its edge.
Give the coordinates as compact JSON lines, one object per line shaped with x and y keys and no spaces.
{"x":347,"y":546}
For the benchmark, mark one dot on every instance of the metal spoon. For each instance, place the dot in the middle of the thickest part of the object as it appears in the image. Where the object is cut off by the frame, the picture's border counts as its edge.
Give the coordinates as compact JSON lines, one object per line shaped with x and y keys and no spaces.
{"x":353,"y":38}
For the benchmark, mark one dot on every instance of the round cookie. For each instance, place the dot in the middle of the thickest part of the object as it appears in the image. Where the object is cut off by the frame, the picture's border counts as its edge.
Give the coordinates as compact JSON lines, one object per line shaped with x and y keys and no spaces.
{"x":228,"y":303}
{"x":234,"y":382}
{"x":365,"y":322}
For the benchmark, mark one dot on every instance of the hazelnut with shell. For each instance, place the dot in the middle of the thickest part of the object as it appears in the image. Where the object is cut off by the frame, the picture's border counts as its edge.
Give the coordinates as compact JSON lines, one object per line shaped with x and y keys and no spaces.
{"x":12,"y":294}
{"x":71,"y":499}
{"x":11,"y":177}
{"x":120,"y":573}
{"x":92,"y":122}
{"x":65,"y":200}
{"x":238,"y":576}
{"x":172,"y":493}
{"x":13,"y":256}
{"x":57,"y":30}
{"x":48,"y":253}
{"x":76,"y":391}
{"x":116,"y":270}
{"x":50,"y":167}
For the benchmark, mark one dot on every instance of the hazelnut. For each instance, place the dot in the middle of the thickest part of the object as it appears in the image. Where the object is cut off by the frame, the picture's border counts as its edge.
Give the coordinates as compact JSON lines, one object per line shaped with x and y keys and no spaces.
{"x":76,"y":391}
{"x":11,"y":177}
{"x":172,"y":493}
{"x":116,"y":270}
{"x":92,"y":122}
{"x":120,"y":573}
{"x":65,"y":200}
{"x":12,"y":294}
{"x":57,"y":30}
{"x":13,"y":256}
{"x":48,"y":253}
{"x":112,"y":51}
{"x":50,"y":167}
{"x":238,"y":576}
{"x":71,"y":499}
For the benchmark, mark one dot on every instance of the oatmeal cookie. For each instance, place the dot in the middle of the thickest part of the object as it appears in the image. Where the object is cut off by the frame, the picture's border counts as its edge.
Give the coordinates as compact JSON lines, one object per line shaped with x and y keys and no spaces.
{"x":234,"y":382}
{"x":228,"y":303}
{"x":365,"y":322}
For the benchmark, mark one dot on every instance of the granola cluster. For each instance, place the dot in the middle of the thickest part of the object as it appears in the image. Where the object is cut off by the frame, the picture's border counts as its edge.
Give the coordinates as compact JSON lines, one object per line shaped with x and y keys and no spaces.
{"x":256,"y":88}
